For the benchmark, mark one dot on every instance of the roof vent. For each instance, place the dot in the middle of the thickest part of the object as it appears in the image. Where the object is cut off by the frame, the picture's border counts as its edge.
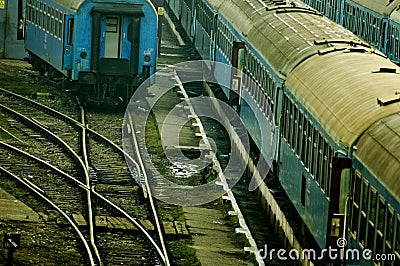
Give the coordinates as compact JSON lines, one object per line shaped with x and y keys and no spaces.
{"x":357,"y":50}
{"x":387,"y":70}
{"x":389,"y":100}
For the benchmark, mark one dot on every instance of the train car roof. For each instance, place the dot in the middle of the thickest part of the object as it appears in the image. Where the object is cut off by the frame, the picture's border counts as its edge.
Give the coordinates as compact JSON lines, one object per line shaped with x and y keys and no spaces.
{"x":384,"y":7}
{"x":346,"y":91}
{"x":395,"y":16}
{"x":382,"y":138}
{"x":286,"y":34}
{"x":70,"y":4}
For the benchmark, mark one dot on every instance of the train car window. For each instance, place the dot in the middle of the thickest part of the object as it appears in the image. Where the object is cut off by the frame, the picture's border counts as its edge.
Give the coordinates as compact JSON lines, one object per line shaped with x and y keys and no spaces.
{"x":325,"y":165}
{"x":303,"y":190}
{"x":287,"y":120}
{"x":38,"y":17}
{"x":380,"y":225}
{"x":295,"y":129}
{"x":364,"y":208}
{"x":315,"y":153}
{"x":34,"y":20}
{"x":371,"y":219}
{"x":291,"y":125}
{"x":317,"y":161}
{"x":372,"y":208}
{"x":52,"y":21}
{"x":309,"y":146}
{"x":70,"y":31}
{"x":382,"y":33}
{"x":56,"y":29}
{"x":28,"y":11}
{"x":304,"y":141}
{"x":60,"y":25}
{"x":112,"y":24}
{"x":44,"y":18}
{"x":356,"y":202}
{"x":328,"y":181}
{"x":312,"y":150}
{"x":364,"y":204}
{"x":20,"y":21}
{"x":48,"y":21}
{"x":389,"y":229}
{"x":33,"y":14}
{"x":300,"y":134}
{"x":320,"y":172}
{"x":390,"y":41}
{"x":284,"y":117}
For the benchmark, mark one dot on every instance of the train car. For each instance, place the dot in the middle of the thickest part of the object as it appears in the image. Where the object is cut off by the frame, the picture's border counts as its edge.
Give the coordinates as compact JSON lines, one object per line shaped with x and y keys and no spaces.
{"x":376,"y":22}
{"x":392,"y":36}
{"x":374,"y":219}
{"x":335,"y":105}
{"x":12,"y":18}
{"x":332,"y":9}
{"x":103,"y":47}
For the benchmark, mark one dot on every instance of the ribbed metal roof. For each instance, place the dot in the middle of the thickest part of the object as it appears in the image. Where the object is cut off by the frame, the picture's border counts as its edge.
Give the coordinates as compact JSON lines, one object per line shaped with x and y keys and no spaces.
{"x":341,"y":90}
{"x":383,"y":138}
{"x":384,"y":7}
{"x":284,"y":34}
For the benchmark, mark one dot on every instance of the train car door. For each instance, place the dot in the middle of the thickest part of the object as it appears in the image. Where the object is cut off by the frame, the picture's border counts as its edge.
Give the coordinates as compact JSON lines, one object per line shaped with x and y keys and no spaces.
{"x":68,"y":41}
{"x":115,"y":40}
{"x":114,"y":44}
{"x":111,"y":35}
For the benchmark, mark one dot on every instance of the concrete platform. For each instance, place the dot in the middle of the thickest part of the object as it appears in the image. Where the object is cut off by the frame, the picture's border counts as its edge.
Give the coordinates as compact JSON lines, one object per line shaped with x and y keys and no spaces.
{"x":13,"y":209}
{"x":213,"y":240}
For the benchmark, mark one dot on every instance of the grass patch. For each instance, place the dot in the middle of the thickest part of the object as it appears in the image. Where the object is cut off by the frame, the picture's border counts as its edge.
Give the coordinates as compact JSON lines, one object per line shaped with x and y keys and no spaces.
{"x":182,"y":253}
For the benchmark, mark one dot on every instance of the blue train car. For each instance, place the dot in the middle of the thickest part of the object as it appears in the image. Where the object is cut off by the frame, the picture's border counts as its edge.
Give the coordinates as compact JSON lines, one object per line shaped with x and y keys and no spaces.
{"x":374,"y":206}
{"x":332,"y":9}
{"x":105,"y":47}
{"x":374,"y":21}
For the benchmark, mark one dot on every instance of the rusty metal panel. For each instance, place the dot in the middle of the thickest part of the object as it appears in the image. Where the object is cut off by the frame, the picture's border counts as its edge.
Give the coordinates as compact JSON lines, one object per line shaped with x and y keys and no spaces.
{"x":341,"y":90}
{"x":382,"y":138}
{"x":384,"y":7}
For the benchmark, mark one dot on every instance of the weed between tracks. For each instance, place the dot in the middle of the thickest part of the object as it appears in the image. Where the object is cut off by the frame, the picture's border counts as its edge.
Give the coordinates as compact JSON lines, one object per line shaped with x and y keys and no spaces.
{"x":179,"y":246}
{"x":180,"y":251}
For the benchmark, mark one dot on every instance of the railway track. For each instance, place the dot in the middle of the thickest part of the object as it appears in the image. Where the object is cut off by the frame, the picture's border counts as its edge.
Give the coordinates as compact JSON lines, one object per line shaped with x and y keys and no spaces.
{"x":103,"y":199}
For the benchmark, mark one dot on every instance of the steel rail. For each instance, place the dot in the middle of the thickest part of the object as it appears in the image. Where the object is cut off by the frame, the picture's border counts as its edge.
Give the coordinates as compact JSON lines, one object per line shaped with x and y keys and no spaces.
{"x":88,"y":193}
{"x":36,"y":191}
{"x":164,"y":247}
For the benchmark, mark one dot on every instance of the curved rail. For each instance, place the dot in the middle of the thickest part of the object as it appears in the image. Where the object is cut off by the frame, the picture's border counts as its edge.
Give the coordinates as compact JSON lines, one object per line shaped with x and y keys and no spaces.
{"x":76,"y":124}
{"x":148,"y":190}
{"x":140,"y":169}
{"x":88,"y":193}
{"x":38,"y":193}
